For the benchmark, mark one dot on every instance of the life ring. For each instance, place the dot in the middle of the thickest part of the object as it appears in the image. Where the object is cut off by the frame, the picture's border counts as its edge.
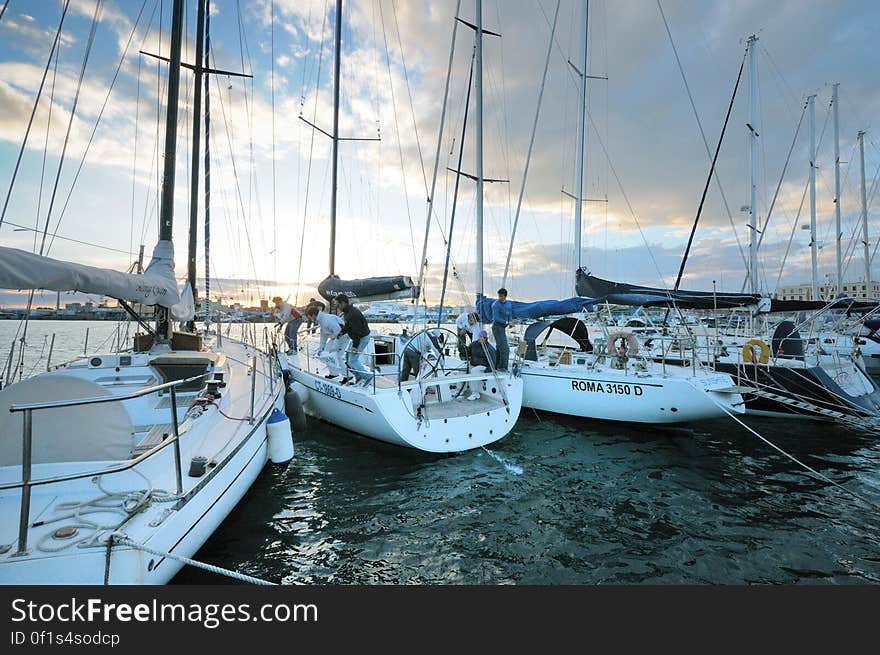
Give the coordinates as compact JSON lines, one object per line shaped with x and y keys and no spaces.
{"x":749,"y":351}
{"x":629,"y":346}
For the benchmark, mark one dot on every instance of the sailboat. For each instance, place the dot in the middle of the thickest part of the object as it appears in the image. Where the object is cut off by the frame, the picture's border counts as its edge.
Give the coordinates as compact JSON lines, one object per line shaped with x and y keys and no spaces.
{"x":775,"y":370}
{"x":568,"y":371}
{"x":116,"y":467}
{"x":446,"y":408}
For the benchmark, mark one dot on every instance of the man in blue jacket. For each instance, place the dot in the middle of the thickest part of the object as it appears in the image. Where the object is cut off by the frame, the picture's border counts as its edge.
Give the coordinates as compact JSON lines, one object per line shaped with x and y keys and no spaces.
{"x":502,"y":315}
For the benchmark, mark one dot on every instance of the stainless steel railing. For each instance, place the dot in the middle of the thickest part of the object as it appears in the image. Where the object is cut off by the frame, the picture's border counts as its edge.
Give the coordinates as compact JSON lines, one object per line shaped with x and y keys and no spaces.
{"x":27,"y":445}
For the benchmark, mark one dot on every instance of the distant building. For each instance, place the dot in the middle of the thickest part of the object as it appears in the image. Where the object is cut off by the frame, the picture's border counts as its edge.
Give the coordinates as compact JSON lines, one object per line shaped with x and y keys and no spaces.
{"x":828,"y":291}
{"x":264,"y":305}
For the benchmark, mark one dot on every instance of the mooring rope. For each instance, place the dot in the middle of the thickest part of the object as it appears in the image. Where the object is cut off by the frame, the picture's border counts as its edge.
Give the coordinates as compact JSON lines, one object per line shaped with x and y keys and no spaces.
{"x":123,"y":539}
{"x":807,"y":467}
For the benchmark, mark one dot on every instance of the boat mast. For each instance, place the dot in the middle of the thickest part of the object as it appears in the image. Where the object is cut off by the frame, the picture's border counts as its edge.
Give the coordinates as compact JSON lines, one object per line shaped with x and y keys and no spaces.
{"x":423,"y":263}
{"x":335,"y":137}
{"x":814,"y":255}
{"x":207,"y":170}
{"x":753,"y":155}
{"x":194,"y":175}
{"x":581,"y":133}
{"x":865,"y":216}
{"x":166,"y":213}
{"x":837,"y":189}
{"x":478,"y":87}
{"x":522,"y":188}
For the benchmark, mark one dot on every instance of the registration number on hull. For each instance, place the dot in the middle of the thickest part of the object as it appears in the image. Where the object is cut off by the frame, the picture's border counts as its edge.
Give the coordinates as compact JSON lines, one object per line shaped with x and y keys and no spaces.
{"x":328,"y":389}
{"x":615,"y":388}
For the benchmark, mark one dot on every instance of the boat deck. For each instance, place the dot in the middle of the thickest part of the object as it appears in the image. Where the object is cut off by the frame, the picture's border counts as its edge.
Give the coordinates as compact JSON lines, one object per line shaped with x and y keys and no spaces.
{"x":459,"y":407}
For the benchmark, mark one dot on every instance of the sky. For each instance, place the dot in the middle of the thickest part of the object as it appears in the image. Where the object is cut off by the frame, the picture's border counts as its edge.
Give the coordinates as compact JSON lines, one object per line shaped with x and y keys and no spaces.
{"x":646,"y":163}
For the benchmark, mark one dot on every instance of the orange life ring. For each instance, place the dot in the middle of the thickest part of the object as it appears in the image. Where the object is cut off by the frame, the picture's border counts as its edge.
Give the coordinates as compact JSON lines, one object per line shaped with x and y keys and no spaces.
{"x":629,"y":347}
{"x":749,"y":351}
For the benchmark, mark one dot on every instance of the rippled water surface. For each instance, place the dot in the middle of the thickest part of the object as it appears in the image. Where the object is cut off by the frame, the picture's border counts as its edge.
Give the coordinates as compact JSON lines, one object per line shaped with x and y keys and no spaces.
{"x":558,"y":501}
{"x":595,"y":503}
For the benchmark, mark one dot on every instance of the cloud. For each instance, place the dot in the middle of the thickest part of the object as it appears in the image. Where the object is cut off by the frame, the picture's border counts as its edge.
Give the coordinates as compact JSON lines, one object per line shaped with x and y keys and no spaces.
{"x":641,"y":115}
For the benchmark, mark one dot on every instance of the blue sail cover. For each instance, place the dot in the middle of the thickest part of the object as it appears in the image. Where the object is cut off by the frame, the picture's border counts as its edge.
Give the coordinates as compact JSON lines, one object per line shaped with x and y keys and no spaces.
{"x":536,"y":309}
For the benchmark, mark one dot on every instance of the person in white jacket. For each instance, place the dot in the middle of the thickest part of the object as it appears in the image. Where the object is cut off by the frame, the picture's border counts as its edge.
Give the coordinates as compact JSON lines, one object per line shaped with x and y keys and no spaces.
{"x":330,"y":326}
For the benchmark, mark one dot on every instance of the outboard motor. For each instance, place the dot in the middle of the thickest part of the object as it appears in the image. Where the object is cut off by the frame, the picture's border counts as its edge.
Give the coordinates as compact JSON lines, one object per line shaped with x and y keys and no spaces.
{"x":787,"y":341}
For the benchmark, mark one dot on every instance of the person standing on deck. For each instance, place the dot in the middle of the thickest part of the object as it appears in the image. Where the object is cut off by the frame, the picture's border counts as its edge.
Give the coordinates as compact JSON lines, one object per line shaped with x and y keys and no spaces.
{"x":331,"y":326}
{"x":311,"y":325}
{"x":502,"y":315}
{"x":417,"y":349}
{"x":468,"y":328}
{"x":287,"y":314}
{"x":358,"y":330}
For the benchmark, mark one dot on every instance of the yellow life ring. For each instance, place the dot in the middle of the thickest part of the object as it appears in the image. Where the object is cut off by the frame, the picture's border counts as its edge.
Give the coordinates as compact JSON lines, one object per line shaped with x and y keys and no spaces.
{"x":629,"y":346}
{"x":749,"y":351}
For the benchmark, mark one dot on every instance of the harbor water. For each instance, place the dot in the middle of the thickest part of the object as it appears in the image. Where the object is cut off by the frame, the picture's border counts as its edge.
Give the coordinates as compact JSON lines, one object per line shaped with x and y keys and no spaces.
{"x":558,"y":501}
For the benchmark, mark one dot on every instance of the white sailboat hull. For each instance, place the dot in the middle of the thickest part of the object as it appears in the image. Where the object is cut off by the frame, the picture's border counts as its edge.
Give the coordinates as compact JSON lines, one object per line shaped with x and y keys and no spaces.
{"x":611,"y":396}
{"x":390,"y":414}
{"x":180,"y":526}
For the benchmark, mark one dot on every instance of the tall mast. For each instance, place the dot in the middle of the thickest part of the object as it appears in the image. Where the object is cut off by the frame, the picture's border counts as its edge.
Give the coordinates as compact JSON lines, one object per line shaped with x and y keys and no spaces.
{"x":837,"y":190}
{"x":813,"y":245}
{"x":194,"y":174}
{"x":207,"y":167}
{"x":753,"y":156}
{"x":166,"y":213}
{"x":581,"y":133}
{"x":335,"y":164}
{"x":422,"y":264}
{"x":865,"y":216}
{"x":478,"y":87}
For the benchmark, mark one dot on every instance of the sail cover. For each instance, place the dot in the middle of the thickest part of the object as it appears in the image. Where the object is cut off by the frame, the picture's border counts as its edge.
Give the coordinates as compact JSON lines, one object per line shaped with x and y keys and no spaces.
{"x":369,"y":289}
{"x":620,"y":293}
{"x":20,"y":269}
{"x":574,"y":328}
{"x":537,"y":309}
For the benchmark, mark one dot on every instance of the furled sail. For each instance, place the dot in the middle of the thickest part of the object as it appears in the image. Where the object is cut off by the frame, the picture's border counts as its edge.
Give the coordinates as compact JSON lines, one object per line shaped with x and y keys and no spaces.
{"x":20,"y":269}
{"x":537,"y":309}
{"x":369,"y":289}
{"x":621,"y":293}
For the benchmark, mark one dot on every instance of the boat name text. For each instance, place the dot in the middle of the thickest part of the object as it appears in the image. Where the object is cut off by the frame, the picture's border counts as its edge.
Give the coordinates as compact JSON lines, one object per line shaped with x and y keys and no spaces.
{"x":617,"y":388}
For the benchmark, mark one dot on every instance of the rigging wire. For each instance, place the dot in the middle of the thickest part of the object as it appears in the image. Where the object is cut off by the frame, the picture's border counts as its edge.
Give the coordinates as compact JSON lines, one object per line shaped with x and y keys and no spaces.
{"x":97,"y":123}
{"x":778,"y":187}
{"x":702,"y":133}
{"x":89,"y":43}
{"x":803,"y":197}
{"x":399,"y":143}
{"x":311,"y":152}
{"x":64,"y":238}
{"x":229,"y":140}
{"x":34,"y":110}
{"x":137,"y":112}
{"x":617,"y":179}
{"x":46,"y":149}
{"x":522,"y":188}
{"x":272,"y":87}
{"x":408,"y":90}
{"x":154,"y":156}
